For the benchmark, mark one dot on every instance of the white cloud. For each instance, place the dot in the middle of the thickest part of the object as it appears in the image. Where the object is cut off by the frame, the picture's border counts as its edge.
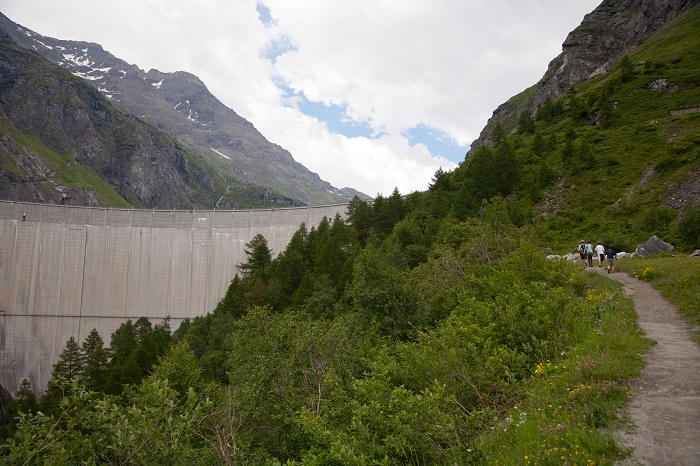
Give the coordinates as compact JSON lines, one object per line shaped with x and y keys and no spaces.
{"x":396,"y":64}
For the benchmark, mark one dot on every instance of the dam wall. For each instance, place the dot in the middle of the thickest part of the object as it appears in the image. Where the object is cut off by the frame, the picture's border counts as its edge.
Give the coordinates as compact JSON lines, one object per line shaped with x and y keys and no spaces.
{"x":66,"y":270}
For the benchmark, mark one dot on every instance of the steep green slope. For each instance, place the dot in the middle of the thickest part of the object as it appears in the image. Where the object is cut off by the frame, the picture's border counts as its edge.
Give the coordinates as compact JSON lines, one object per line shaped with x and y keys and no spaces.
{"x":615,"y":160}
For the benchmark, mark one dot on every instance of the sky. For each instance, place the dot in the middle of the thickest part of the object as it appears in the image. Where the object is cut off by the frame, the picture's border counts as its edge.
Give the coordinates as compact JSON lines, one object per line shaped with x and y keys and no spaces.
{"x":369,"y":94}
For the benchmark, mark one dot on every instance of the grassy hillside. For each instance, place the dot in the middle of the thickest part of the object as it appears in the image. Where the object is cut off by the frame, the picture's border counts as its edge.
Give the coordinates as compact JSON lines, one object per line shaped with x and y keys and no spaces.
{"x":678,"y":279}
{"x":613,"y":160}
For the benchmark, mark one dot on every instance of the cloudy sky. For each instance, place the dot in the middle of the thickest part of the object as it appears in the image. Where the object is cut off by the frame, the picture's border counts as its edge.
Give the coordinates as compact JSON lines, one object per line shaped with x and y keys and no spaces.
{"x":370,"y":94}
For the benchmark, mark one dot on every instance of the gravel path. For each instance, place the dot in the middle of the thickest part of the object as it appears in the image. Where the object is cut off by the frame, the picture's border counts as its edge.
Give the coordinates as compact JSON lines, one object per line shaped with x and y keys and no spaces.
{"x":665,"y":407}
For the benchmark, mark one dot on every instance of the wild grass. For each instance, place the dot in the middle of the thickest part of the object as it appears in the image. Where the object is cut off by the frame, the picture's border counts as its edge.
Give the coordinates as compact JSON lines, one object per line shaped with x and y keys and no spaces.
{"x":642,"y":154}
{"x":676,"y":277}
{"x":570,"y":408}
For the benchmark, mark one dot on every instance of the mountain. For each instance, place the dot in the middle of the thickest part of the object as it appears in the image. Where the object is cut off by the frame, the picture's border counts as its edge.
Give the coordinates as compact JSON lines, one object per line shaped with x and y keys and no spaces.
{"x":607,"y":144}
{"x":605,"y":35}
{"x":180,"y":105}
{"x":62,"y":142}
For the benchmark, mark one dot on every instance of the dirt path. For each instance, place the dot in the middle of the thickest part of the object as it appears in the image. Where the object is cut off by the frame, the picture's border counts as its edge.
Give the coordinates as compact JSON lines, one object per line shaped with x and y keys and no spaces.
{"x":665,"y":407}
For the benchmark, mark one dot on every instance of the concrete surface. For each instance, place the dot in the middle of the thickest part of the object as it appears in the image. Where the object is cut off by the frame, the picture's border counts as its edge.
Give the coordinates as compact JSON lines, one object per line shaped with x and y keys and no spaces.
{"x":66,"y":270}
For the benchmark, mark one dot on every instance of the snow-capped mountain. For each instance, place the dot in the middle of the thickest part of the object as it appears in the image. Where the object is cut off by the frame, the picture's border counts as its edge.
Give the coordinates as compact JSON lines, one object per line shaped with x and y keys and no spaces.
{"x":180,"y":104}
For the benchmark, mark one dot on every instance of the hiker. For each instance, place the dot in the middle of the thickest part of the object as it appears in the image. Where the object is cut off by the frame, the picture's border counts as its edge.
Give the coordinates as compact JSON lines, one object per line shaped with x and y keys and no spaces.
{"x":589,"y":253}
{"x":582,"y":252}
{"x":600,"y":252}
{"x":611,"y":255}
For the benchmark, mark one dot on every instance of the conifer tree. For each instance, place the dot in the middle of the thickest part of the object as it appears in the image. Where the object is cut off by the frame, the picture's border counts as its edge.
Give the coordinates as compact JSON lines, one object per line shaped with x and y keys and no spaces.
{"x":259,"y":255}
{"x":24,"y":403}
{"x":70,"y":363}
{"x":360,"y":217}
{"x":233,"y":301}
{"x":96,"y":358}
{"x":142,"y":327}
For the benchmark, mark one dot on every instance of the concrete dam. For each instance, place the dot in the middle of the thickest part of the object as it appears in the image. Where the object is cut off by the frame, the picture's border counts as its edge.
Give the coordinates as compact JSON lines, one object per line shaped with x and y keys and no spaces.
{"x":66,"y":270}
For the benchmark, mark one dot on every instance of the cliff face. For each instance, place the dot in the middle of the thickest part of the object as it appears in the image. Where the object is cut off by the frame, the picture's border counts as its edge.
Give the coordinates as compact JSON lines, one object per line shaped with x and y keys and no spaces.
{"x":57,"y":132}
{"x":605,"y":35}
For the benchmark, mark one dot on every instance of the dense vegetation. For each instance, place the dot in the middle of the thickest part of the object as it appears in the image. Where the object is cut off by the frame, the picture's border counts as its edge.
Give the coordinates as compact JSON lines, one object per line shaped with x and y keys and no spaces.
{"x":611,"y":160}
{"x":339,"y":352}
{"x":425,"y":329}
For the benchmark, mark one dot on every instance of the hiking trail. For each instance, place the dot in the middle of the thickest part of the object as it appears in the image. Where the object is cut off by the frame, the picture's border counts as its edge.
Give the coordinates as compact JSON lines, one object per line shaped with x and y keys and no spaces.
{"x":665,"y":402}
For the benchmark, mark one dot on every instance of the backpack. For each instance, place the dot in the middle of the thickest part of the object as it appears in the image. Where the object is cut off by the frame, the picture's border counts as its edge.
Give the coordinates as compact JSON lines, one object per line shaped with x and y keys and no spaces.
{"x":582,"y":248}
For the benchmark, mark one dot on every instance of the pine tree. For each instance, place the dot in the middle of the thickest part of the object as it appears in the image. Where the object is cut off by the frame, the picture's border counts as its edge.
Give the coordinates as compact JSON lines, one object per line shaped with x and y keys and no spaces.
{"x":95,"y":357}
{"x":142,"y":327}
{"x":70,"y":363}
{"x":122,"y":343}
{"x":233,"y":301}
{"x":360,"y":217}
{"x":259,"y":256}
{"x":626,"y":69}
{"x":24,"y":402}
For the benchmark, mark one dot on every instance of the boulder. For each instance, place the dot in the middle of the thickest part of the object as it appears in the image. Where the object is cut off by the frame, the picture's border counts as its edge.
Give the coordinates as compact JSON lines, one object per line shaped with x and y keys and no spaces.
{"x":695,"y":253}
{"x":654,"y":245}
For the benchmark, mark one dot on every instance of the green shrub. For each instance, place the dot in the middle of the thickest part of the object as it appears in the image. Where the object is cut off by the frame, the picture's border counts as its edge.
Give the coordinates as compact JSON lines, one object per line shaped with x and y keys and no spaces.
{"x":689,"y":225}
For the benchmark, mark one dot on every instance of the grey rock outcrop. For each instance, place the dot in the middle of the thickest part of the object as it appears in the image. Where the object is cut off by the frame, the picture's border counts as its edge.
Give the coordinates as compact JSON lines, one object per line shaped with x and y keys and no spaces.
{"x":654,"y":245}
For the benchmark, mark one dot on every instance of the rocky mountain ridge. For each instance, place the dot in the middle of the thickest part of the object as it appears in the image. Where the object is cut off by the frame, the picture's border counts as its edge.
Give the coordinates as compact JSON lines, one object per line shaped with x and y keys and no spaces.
{"x":180,"y":104}
{"x":604,"y":36}
{"x":62,"y":142}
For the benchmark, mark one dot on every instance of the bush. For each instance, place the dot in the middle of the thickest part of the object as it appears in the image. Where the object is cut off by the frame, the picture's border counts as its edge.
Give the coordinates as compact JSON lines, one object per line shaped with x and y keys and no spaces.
{"x":689,"y":225}
{"x":648,"y":272}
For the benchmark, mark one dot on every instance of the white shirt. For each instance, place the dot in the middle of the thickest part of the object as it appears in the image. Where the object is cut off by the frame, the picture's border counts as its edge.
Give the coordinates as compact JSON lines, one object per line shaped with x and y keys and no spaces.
{"x":600,"y":249}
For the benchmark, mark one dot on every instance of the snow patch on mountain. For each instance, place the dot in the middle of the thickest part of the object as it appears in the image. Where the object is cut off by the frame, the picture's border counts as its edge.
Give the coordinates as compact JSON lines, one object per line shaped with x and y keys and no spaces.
{"x":224,"y":156}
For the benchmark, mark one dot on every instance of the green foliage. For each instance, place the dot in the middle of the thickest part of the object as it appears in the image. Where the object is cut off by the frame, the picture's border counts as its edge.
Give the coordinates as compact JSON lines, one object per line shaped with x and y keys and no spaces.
{"x":95,"y":357}
{"x":134,"y":349}
{"x":689,"y":225}
{"x":281,"y":364}
{"x":381,"y":293}
{"x":427,"y":329}
{"x":179,"y":368}
{"x":626,"y":69}
{"x":678,"y":278}
{"x":151,"y":428}
{"x":70,"y":362}
{"x":233,"y":301}
{"x":259,"y":255}
{"x":25,"y":402}
{"x":569,"y":405}
{"x":526,"y":124}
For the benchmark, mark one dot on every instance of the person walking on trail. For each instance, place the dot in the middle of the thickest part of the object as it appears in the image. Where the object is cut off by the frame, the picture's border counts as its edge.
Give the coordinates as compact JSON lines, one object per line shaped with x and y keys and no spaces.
{"x":611,"y":256}
{"x":600,"y":252}
{"x":582,"y":252}
{"x":589,"y":253}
